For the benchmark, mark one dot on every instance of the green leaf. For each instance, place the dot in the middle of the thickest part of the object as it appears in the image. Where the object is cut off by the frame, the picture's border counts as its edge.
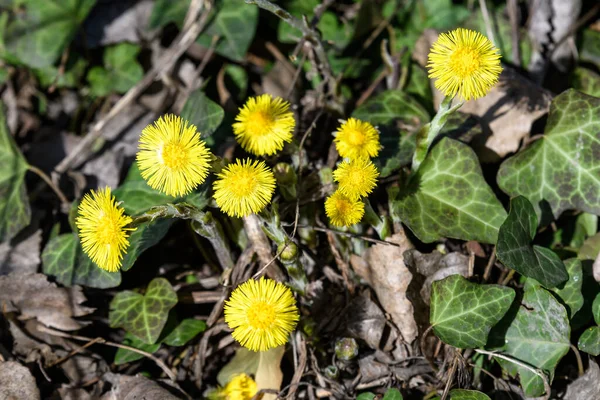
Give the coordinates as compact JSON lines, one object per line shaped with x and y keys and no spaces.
{"x":514,"y":248}
{"x":462,"y":394}
{"x":589,"y":341}
{"x":120,"y":73}
{"x":63,"y":258}
{"x":562,"y":168}
{"x":392,"y":394}
{"x":166,"y":11}
{"x":38,"y":36}
{"x":235,"y":24}
{"x":387,"y":111}
{"x":144,"y":237}
{"x":448,"y":197}
{"x":570,"y":293}
{"x":69,"y":78}
{"x":124,"y":356}
{"x":144,"y":316}
{"x":586,"y":225}
{"x":538,"y":335}
{"x":462,"y":313}
{"x":586,"y":81}
{"x":15,"y":213}
{"x":184,"y":332}
{"x":590,"y":46}
{"x":596,"y":309}
{"x":202,"y":112}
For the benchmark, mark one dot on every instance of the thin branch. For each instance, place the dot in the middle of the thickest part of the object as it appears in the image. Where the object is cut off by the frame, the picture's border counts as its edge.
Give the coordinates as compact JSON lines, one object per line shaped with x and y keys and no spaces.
{"x":100,"y":340}
{"x":49,"y":182}
{"x":522,"y":365}
{"x":489,"y":30}
{"x":579,"y":362}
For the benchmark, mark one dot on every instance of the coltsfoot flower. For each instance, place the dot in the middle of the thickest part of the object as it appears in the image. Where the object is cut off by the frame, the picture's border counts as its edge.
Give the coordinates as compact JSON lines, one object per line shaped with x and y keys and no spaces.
{"x":264,"y":124}
{"x":262,"y":313}
{"x":171,"y":156}
{"x":464,"y":62}
{"x":357,"y":139}
{"x":240,"y":387}
{"x":244,"y":188}
{"x":342,"y":210}
{"x":103,"y":229}
{"x":356,"y":178}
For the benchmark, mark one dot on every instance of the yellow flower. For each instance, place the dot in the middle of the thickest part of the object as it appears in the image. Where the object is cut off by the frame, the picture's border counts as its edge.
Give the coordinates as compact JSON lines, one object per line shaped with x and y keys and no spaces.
{"x":357,"y":178}
{"x":264,"y":124}
{"x":102,"y":229}
{"x":244,"y":188}
{"x":171,"y":156}
{"x":357,"y":139}
{"x":262,"y":313}
{"x":464,"y":62}
{"x":343,"y":211}
{"x":240,"y":387}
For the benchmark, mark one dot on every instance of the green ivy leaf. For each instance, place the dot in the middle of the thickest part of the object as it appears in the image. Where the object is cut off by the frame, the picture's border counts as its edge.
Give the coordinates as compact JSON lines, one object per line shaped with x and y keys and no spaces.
{"x":462,"y":394}
{"x":120,"y":73}
{"x":202,"y":112}
{"x":38,"y":36}
{"x":235,"y":25}
{"x":590,"y":46}
{"x":184,"y":332}
{"x":448,"y":197}
{"x":166,"y":11}
{"x":538,"y":335}
{"x":570,"y":293}
{"x":69,"y":78}
{"x":392,"y":394}
{"x":124,"y":356}
{"x":562,"y":168}
{"x":514,"y":248}
{"x":144,"y":237}
{"x":596,"y":309}
{"x":63,"y":258}
{"x":589,"y":341}
{"x":398,"y":117}
{"x":462,"y":313}
{"x":144,"y":316}
{"x":586,"y":81}
{"x":15,"y":213}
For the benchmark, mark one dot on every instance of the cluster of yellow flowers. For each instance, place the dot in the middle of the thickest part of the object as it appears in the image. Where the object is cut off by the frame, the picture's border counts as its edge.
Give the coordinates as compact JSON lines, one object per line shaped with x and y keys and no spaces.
{"x":356,"y":141}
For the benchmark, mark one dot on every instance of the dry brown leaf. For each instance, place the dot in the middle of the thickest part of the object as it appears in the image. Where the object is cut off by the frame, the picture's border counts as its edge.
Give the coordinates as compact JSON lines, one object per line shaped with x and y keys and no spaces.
{"x":21,"y":255}
{"x":16,"y":382}
{"x":506,"y":114}
{"x":384,"y":269}
{"x":586,"y":386}
{"x":363,"y":319}
{"x":34,"y":297}
{"x":135,"y":388}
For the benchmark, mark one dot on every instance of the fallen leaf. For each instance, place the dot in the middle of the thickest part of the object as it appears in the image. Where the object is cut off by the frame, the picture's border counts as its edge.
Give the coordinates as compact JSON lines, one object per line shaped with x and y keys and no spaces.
{"x":69,"y":393}
{"x":586,"y":386}
{"x":21,"y":255}
{"x":16,"y":382}
{"x":384,"y":269}
{"x":34,"y":297}
{"x":363,"y":319}
{"x":135,"y":388}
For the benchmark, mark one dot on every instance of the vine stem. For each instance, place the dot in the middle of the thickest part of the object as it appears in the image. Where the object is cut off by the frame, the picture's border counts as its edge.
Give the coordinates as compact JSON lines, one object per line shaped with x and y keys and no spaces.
{"x":49,"y":182}
{"x":522,"y":365}
{"x":103,"y":341}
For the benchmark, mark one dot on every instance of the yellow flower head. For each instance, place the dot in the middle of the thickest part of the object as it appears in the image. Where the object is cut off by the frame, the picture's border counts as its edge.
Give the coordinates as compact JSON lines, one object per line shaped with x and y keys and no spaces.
{"x":357,"y":139}
{"x":264,"y":124}
{"x":244,"y":188}
{"x":262,"y":313}
{"x":102,"y":229}
{"x":464,"y":62}
{"x":357,"y":177}
{"x":171,"y":156}
{"x":240,"y":387}
{"x":343,"y":211}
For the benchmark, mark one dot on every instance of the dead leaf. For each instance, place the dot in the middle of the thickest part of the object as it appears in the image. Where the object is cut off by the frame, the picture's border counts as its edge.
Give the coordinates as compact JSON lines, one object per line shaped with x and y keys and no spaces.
{"x":586,"y":386}
{"x":384,"y":269}
{"x":363,"y":319}
{"x":34,"y":297}
{"x":506,"y":113}
{"x":28,"y":347}
{"x":436,"y":266}
{"x":21,"y":255}
{"x":69,"y":393}
{"x":16,"y":382}
{"x":135,"y":388}
{"x":265,"y":366}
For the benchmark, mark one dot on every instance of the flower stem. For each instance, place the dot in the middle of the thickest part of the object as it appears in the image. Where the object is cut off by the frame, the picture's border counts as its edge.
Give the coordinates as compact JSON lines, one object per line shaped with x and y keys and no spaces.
{"x":380,"y":224}
{"x":49,"y":182}
{"x":429,"y":132}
